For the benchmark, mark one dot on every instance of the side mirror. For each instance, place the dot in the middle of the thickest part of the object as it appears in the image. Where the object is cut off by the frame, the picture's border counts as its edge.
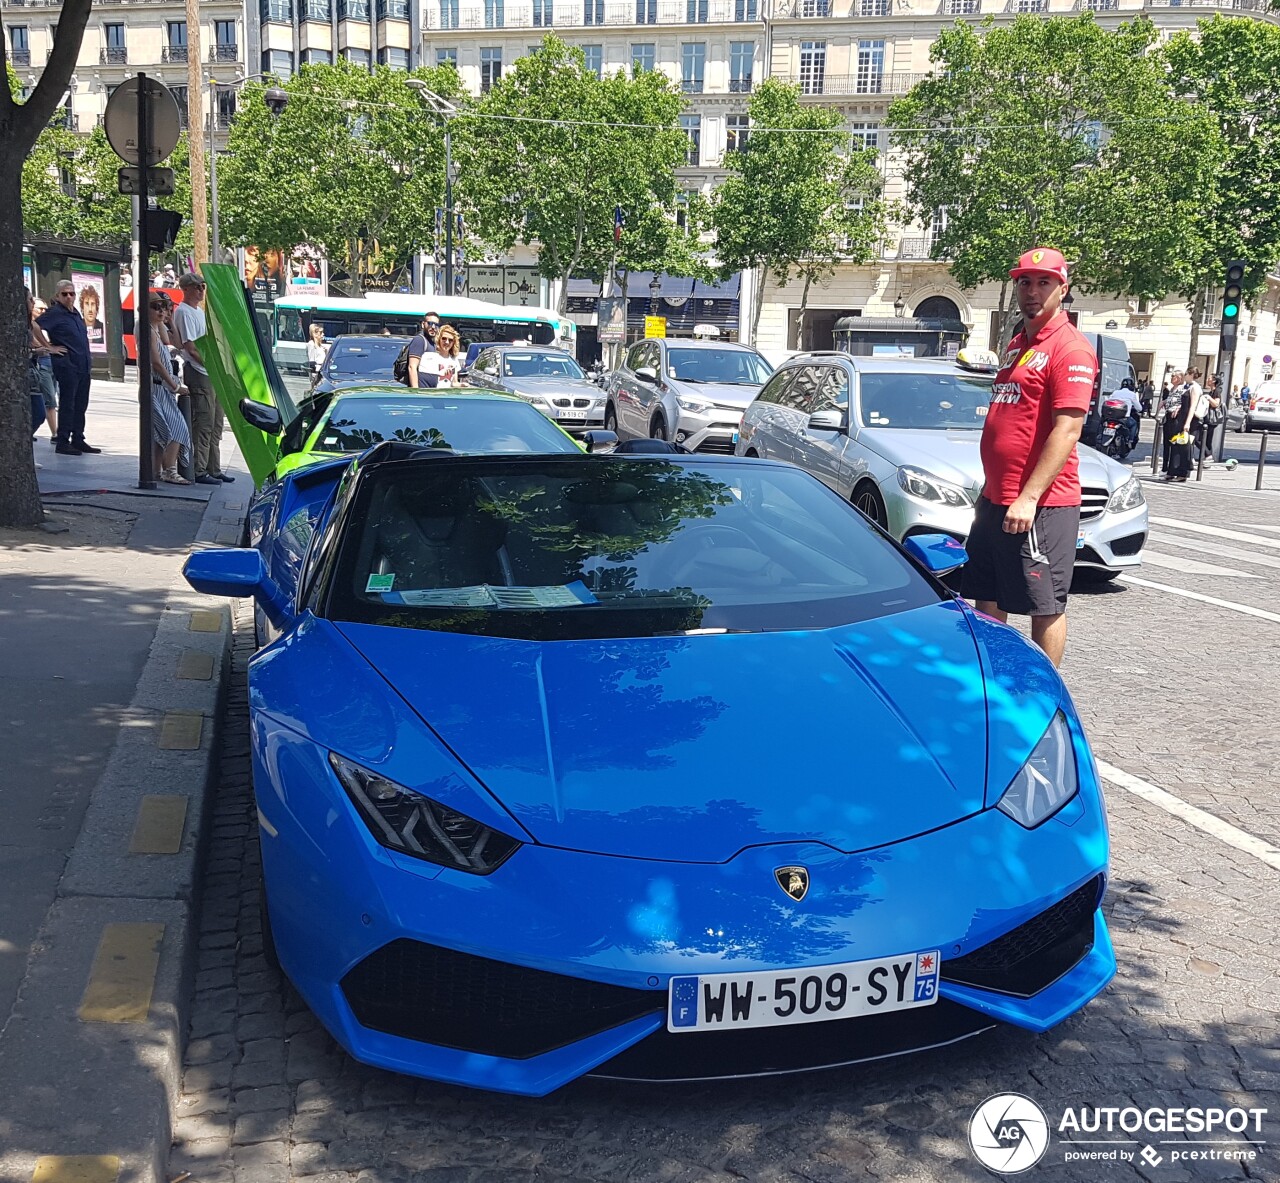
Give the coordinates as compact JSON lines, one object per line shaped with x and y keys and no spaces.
{"x":939,"y":554}
{"x":236,"y":572}
{"x":647,"y":374}
{"x":263,"y":416}
{"x":600,"y":441}
{"x":831,"y":419}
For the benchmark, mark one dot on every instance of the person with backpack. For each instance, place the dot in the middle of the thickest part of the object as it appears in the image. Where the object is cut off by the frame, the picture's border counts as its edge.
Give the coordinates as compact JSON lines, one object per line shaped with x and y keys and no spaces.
{"x":416,"y":375}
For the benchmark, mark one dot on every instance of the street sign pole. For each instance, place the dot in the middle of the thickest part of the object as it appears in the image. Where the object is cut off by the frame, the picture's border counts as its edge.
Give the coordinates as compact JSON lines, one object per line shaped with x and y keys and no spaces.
{"x":142,"y":304}
{"x":1225,"y":394}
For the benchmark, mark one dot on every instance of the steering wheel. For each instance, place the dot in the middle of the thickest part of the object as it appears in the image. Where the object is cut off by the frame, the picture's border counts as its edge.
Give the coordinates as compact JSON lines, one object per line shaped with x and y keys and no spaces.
{"x":692,"y":541}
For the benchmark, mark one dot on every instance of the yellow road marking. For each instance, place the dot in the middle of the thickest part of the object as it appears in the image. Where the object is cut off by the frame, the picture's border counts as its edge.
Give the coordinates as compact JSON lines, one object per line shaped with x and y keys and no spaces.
{"x":160,"y":823}
{"x":195,"y":666}
{"x":205,"y":620}
{"x":180,"y":731}
{"x":76,"y":1168}
{"x":123,"y":975}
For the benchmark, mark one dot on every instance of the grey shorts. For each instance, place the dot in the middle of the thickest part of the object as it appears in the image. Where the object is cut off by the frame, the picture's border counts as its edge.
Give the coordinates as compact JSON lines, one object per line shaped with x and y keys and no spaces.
{"x":1026,"y":574}
{"x":44,"y":377}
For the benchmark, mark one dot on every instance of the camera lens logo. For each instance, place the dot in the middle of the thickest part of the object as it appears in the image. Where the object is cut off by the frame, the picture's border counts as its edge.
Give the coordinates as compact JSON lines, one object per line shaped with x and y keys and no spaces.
{"x":1008,"y":1133}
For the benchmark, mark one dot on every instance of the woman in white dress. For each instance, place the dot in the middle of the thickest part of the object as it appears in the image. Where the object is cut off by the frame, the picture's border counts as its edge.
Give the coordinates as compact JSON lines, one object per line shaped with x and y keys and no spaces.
{"x":168,"y":428}
{"x":444,"y":363}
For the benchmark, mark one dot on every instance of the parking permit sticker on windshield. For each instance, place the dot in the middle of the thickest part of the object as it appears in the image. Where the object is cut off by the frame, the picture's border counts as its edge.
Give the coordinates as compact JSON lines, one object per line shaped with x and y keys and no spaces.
{"x":380,"y":583}
{"x":329,"y":441}
{"x":485,"y":595}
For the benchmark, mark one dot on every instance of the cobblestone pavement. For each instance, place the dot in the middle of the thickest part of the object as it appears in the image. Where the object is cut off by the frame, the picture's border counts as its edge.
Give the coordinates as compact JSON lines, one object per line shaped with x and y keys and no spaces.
{"x":1174,"y":690}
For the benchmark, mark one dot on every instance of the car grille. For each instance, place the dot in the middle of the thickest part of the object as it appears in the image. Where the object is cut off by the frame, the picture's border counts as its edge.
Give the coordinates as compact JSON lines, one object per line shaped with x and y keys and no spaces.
{"x":1130,"y":544}
{"x":722,"y":446}
{"x":423,"y":992}
{"x":1035,"y":954}
{"x":709,"y":1055}
{"x":571,"y":402}
{"x":1093,"y":501}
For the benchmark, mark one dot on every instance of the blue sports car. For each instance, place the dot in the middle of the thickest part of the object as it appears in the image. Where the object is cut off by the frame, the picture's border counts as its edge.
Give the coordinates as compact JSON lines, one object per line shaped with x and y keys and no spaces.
{"x":654,"y":767}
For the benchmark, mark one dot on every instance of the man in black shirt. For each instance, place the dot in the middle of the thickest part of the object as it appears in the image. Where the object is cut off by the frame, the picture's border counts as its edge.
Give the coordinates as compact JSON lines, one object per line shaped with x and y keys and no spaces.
{"x":423,"y":343}
{"x":64,"y":326}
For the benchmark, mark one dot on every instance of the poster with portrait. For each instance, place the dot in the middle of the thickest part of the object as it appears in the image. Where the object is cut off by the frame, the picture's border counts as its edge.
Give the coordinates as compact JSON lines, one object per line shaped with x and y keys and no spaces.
{"x":306,"y":273}
{"x":29,"y":273}
{"x":88,"y":280}
{"x":264,"y":274}
{"x":612,"y":319}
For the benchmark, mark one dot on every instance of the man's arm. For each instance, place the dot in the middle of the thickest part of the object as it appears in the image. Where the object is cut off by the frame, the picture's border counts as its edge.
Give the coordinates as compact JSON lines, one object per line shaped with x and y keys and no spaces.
{"x":1067,"y":425}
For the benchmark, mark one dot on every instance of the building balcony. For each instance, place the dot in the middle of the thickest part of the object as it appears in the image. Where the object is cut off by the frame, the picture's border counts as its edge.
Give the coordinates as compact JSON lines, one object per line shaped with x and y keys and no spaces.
{"x":224,"y":52}
{"x":173,"y":53}
{"x":915,"y":247}
{"x":961,"y":7}
{"x":822,"y":9}
{"x":895,"y":82}
{"x":20,"y":57}
{"x":691,"y":85}
{"x":577,"y":15}
{"x":740,"y":85}
{"x":114,"y":55}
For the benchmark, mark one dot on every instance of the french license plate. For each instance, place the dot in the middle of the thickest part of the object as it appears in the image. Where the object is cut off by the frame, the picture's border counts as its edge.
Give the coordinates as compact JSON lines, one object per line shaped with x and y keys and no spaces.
{"x":732,"y":1002}
{"x":1080,"y":541}
{"x":575,"y":415}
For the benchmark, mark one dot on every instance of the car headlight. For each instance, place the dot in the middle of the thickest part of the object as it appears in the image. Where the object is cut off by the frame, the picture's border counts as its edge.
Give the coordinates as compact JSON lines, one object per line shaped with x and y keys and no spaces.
{"x":924,"y":486}
{"x":412,"y":824}
{"x":540,"y":403}
{"x":693,"y":404}
{"x":1046,"y":782}
{"x":1128,"y":496}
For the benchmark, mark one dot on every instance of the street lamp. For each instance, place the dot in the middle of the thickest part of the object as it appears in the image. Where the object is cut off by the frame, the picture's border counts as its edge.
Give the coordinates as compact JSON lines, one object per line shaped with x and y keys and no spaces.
{"x":655,"y":290}
{"x":276,"y":100}
{"x":899,"y":307}
{"x":447,"y":112}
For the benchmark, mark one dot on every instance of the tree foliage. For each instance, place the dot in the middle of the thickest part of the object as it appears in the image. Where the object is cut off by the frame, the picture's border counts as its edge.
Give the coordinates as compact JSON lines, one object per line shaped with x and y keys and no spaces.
{"x":1054,"y":130}
{"x":354,"y":163}
{"x":800,"y":197}
{"x":530,"y":177}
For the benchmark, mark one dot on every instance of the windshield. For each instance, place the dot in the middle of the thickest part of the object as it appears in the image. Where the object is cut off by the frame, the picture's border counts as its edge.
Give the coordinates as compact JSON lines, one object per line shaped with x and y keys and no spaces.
{"x":735,"y":367}
{"x":464,"y":423}
{"x":365,"y":358}
{"x":929,"y":402}
{"x":565,"y":549}
{"x":525,"y":365}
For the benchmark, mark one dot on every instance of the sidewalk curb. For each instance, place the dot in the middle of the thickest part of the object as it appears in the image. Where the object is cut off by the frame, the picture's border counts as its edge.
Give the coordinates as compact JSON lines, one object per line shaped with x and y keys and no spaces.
{"x":91,"y":1055}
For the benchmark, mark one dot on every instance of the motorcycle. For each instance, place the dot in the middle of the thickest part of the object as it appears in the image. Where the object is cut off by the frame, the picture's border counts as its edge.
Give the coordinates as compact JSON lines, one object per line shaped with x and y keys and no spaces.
{"x":1114,"y":436}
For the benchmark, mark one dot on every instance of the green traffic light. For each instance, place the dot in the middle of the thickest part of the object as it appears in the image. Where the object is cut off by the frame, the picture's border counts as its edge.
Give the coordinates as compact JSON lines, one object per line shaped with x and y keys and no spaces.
{"x":1231,"y":311}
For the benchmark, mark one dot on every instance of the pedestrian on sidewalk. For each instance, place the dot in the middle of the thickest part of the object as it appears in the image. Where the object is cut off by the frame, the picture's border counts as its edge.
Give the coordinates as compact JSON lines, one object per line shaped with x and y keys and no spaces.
{"x":42,"y":353}
{"x":423,"y":343}
{"x":1170,"y":401}
{"x":168,"y":428}
{"x":64,"y":326}
{"x":207,"y":418}
{"x":1180,"y":428}
{"x":1023,"y":543}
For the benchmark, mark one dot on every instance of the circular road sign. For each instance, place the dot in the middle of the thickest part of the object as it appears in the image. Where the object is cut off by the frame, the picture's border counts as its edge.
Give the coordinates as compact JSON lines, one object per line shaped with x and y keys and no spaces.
{"x":120,"y":121}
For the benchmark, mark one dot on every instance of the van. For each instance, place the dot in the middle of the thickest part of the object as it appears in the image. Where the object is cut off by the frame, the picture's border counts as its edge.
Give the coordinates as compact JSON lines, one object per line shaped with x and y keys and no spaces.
{"x":1114,"y":366}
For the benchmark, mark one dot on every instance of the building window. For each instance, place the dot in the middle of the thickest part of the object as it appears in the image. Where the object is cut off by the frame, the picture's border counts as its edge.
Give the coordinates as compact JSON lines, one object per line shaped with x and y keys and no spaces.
{"x":395,"y":10}
{"x":543,"y":14}
{"x":278,"y":62}
{"x":646,"y":12}
{"x":642,"y":57}
{"x":277,"y":10}
{"x":180,"y":94}
{"x":741,"y":55}
{"x":737,"y":130}
{"x":19,"y":45}
{"x":692,"y":127}
{"x":353,"y":10}
{"x":1028,"y":6}
{"x":494,"y":14}
{"x":744,"y":10}
{"x":490,"y":68}
{"x":593,"y":12}
{"x":177,"y":33}
{"x":873,"y":7}
{"x":815,"y":8}
{"x":594,"y":55}
{"x":358,"y":57}
{"x":224,"y":36}
{"x":870,"y":79}
{"x":448,"y":14}
{"x":696,"y":12}
{"x":693,"y":63}
{"x":317,"y":57}
{"x":224,"y":105}
{"x":813,"y":66}
{"x":316,"y":10}
{"x":397,"y":59}
{"x":114,"y":52}
{"x":865,"y":135}
{"x":447,"y":57}
{"x":962,"y":7}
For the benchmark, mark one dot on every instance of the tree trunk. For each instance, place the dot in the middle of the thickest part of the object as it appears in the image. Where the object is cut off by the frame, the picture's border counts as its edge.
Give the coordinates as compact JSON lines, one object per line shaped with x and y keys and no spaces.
{"x":759,"y":308}
{"x":195,"y":134}
{"x":804,"y":303}
{"x":1197,"y":315}
{"x":19,"y":493}
{"x":1002,"y":320}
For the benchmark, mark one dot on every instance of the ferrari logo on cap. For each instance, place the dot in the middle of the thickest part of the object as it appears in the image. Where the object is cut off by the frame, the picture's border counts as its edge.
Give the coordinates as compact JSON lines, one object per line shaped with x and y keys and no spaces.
{"x":1036,"y":256}
{"x":794,"y":881}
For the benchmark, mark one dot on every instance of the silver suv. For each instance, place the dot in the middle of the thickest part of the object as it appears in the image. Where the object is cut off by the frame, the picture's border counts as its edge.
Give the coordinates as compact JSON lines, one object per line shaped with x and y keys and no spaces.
{"x":689,"y":392}
{"x":899,"y":438}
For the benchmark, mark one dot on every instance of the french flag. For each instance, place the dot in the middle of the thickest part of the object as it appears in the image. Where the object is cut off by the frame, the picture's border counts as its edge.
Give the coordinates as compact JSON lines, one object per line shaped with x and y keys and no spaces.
{"x":617,"y":224}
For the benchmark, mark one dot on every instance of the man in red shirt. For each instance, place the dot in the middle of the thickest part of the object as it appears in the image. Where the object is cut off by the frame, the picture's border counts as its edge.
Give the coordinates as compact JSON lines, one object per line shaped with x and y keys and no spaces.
{"x":1023,"y":543}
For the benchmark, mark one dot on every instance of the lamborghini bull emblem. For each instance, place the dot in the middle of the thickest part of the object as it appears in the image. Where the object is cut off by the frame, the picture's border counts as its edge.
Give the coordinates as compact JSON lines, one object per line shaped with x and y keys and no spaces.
{"x":794,"y":881}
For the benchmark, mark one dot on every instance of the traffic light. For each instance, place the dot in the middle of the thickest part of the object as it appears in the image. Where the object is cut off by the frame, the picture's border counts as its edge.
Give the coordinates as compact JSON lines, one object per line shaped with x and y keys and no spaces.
{"x":1232,"y":294}
{"x":162,"y":228}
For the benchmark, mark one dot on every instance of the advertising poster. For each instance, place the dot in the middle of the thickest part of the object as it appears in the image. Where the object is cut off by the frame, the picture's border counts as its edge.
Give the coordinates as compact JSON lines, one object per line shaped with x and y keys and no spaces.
{"x":523,"y":286}
{"x":307,"y":272}
{"x":612,"y":318}
{"x":655,"y":326}
{"x":486,"y":283}
{"x":88,"y":279}
{"x":29,"y":274}
{"x":264,"y":274}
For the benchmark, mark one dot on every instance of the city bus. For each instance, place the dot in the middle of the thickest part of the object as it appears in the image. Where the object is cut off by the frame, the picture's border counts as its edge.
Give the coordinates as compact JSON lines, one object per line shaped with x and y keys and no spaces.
{"x":400,"y":316}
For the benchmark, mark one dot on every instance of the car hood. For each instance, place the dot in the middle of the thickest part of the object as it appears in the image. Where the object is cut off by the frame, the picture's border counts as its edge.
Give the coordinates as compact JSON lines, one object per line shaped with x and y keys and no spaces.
{"x":954,"y":456}
{"x":694,"y":748}
{"x":548,"y":386}
{"x":726,"y":393}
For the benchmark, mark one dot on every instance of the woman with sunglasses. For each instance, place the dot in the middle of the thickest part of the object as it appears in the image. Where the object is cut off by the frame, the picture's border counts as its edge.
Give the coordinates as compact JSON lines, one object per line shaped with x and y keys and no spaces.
{"x":168,"y":427}
{"x":444,"y":363}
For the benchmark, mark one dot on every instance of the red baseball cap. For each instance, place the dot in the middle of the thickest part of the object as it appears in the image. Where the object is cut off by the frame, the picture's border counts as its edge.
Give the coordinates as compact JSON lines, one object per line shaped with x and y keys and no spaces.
{"x":1043,"y":259}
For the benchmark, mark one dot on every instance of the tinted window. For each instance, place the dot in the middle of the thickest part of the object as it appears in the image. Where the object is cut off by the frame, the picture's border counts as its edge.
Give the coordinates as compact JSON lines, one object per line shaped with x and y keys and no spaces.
{"x":463,"y":423}
{"x":289,"y":325}
{"x":552,"y":549}
{"x":737,"y":367}
{"x":923,"y":401}
{"x":635,"y":359}
{"x":801,"y":395}
{"x":369,"y":358}
{"x":523,"y":365}
{"x":776,"y":388}
{"x":833,"y":390}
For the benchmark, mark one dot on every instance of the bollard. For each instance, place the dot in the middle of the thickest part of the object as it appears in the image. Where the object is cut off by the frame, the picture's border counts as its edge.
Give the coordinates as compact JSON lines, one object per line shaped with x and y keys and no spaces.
{"x":1157,"y":444}
{"x":1262,"y":460}
{"x":1200,"y":441}
{"x":187,"y":470}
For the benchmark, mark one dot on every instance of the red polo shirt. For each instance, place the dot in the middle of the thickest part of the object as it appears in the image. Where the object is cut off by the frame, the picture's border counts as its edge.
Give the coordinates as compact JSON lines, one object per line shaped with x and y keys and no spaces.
{"x":1053,"y":372}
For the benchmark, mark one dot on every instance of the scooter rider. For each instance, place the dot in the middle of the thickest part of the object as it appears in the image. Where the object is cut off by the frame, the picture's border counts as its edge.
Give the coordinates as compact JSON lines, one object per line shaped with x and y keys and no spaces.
{"x":1125,"y":393}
